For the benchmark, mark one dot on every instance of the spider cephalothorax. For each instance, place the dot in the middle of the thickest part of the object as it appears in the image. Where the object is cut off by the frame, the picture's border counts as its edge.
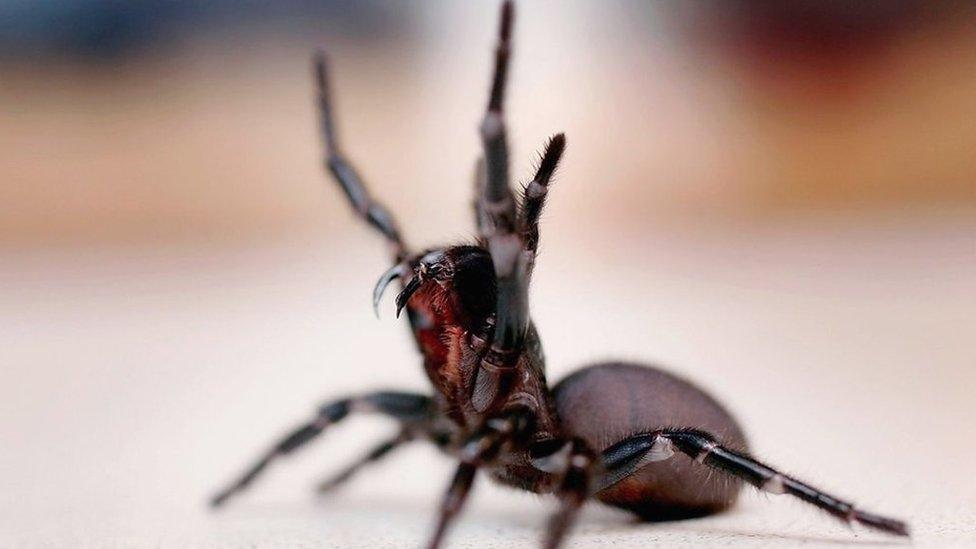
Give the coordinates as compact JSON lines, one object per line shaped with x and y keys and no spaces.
{"x":628,"y":435}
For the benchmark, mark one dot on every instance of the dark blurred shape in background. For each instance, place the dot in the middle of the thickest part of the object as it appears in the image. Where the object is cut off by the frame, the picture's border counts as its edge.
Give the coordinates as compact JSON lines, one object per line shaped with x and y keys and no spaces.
{"x":111,"y":30}
{"x":816,"y":29}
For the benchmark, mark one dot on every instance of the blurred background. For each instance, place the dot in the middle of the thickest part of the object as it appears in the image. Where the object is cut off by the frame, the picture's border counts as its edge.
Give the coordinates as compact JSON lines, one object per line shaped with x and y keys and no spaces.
{"x":776,"y":199}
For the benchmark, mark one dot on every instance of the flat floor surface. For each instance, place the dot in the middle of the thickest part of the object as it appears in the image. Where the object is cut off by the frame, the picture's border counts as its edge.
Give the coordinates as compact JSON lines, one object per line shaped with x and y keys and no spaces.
{"x":136,"y":382}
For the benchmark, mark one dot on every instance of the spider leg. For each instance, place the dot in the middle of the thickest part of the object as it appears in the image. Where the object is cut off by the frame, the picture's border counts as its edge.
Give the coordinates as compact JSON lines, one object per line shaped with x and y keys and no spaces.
{"x":573,"y":491}
{"x":375,"y":454}
{"x":453,"y":500}
{"x":480,"y":216}
{"x":409,"y":408}
{"x":348,"y":178}
{"x":536,"y":190}
{"x":477,"y":451}
{"x":499,"y":231}
{"x":629,"y":455}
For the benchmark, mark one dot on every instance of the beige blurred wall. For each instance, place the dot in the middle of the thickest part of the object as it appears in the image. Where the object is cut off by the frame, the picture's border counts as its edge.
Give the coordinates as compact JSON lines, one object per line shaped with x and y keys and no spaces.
{"x":216,"y":140}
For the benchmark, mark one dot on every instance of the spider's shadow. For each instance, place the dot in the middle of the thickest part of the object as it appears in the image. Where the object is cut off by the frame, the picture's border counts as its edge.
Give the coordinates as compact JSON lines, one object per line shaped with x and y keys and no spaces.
{"x":794,"y":538}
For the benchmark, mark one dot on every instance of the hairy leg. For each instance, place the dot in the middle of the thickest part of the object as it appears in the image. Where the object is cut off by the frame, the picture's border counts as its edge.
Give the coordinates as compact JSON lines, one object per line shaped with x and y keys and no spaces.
{"x":365,"y":206}
{"x":481,"y":221}
{"x":627,"y":456}
{"x":373,"y":455}
{"x":536,"y":191}
{"x":498,"y":226}
{"x":574,"y":489}
{"x":478,"y":450}
{"x":411,"y":410}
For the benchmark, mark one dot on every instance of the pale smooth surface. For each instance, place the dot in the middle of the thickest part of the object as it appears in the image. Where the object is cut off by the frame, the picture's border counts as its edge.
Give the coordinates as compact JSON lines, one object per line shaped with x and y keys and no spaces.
{"x":136,"y":382}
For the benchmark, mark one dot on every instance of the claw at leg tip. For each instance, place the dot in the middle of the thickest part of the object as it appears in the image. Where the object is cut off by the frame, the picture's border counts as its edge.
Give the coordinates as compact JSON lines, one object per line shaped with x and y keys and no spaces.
{"x":884,"y":524}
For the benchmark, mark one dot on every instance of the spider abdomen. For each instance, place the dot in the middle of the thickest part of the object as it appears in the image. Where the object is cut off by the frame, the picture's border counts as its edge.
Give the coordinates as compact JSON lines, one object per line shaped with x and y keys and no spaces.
{"x":605,"y":403}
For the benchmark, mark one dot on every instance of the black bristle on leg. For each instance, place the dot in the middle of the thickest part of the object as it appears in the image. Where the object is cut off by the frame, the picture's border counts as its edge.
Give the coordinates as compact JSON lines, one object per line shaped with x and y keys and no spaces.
{"x":705,"y":449}
{"x":550,"y":158}
{"x":536,"y":191}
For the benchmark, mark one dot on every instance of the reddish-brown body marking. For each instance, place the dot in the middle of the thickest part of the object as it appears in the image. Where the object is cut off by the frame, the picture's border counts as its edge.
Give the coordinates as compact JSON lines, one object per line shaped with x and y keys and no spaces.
{"x":453,"y":344}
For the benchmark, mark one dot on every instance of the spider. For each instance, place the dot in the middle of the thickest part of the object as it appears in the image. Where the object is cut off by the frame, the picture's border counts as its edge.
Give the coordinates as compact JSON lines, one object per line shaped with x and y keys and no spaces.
{"x":628,"y":435}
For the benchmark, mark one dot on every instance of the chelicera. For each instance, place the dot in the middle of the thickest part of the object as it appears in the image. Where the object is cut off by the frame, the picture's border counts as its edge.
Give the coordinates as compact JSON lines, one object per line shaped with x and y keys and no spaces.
{"x":628,"y":435}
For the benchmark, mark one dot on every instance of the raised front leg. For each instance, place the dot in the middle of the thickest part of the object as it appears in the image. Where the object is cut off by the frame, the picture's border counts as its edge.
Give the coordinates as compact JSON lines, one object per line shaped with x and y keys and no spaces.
{"x":510,"y":238}
{"x":365,"y":206}
{"x":498,"y":227}
{"x":413,"y":411}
